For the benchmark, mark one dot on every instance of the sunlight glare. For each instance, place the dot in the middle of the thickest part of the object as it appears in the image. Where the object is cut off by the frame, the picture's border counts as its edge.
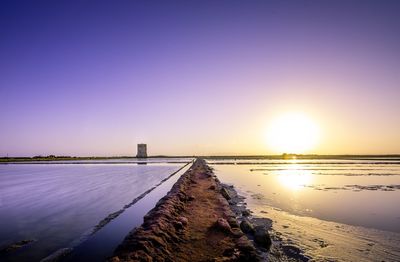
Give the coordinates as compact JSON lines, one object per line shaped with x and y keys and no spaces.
{"x":294,"y":177}
{"x":292,"y":133}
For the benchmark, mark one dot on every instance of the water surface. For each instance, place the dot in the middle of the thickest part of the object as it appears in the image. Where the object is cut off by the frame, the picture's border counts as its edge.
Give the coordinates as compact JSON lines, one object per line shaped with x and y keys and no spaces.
{"x":55,"y":204}
{"x":349,"y":204}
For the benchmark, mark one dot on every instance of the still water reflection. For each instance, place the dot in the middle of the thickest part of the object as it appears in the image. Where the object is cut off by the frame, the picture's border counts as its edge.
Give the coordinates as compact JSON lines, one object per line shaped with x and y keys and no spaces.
{"x":362,"y":193}
{"x":55,"y":204}
{"x":294,"y":177}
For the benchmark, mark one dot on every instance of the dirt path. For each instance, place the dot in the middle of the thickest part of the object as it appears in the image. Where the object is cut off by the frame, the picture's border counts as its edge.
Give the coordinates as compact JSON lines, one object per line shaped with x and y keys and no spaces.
{"x":193,"y":222}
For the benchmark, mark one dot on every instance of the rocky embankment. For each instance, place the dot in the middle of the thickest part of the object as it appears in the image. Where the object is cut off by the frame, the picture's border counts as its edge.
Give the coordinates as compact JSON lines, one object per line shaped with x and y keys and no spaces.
{"x":193,"y":222}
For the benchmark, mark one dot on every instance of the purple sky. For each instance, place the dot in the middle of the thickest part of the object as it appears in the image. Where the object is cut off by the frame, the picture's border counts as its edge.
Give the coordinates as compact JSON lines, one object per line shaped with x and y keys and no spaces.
{"x":196,"y":77}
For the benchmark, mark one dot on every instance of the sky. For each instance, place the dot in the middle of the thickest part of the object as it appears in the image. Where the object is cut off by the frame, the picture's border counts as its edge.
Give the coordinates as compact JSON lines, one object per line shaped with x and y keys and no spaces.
{"x":94,"y":78}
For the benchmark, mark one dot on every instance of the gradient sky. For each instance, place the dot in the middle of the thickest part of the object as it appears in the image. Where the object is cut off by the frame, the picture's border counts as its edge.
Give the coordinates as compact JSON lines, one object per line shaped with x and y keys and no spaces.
{"x":196,"y":77}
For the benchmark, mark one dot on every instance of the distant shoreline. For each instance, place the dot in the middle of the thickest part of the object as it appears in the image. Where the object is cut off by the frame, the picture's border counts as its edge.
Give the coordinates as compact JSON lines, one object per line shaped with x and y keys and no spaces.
{"x":272,"y":157}
{"x":75,"y":158}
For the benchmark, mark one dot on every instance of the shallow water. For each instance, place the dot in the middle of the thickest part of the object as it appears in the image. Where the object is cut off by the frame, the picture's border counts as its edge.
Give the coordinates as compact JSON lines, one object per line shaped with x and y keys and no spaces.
{"x":156,"y":160}
{"x":307,"y":199}
{"x":55,"y":204}
{"x":102,"y":244}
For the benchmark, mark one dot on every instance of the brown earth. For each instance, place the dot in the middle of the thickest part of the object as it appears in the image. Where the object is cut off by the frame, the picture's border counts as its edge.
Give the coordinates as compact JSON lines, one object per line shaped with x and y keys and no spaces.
{"x":193,"y":222}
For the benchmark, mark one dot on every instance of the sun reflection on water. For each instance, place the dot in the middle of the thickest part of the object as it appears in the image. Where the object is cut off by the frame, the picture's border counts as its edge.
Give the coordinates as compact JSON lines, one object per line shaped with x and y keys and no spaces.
{"x":294,"y":177}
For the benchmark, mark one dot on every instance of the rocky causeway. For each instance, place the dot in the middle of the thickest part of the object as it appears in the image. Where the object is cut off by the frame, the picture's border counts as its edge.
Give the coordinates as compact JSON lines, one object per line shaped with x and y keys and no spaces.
{"x":195,"y":221}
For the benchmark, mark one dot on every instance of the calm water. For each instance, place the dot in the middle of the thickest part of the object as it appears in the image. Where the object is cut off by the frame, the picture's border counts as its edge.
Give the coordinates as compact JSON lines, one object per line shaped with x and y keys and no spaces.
{"x":102,"y":244}
{"x":334,"y":210}
{"x":55,"y":204}
{"x":357,"y":192}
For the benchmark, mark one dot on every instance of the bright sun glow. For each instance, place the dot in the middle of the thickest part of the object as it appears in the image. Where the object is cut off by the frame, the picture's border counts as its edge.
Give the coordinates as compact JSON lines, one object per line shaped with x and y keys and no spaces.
{"x":292,"y":133}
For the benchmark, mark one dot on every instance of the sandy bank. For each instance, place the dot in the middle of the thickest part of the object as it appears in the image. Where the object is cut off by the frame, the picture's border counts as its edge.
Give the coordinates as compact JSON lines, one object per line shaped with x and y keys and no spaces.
{"x":193,"y":222}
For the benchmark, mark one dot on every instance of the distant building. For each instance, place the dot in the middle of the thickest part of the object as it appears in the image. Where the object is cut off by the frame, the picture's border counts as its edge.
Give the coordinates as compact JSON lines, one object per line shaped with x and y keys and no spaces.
{"x":141,"y":151}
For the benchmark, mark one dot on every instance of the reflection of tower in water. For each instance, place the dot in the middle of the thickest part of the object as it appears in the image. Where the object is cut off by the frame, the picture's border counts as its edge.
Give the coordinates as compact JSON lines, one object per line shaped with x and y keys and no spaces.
{"x":141,"y":151}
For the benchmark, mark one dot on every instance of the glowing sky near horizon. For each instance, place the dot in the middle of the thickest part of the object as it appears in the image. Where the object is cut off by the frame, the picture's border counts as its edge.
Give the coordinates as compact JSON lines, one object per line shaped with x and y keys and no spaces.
{"x":198,"y":77}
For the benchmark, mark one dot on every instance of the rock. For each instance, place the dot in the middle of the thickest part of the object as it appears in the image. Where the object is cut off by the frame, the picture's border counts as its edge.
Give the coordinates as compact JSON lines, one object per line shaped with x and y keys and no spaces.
{"x":295,"y":252}
{"x":225,"y":194}
{"x":183,"y":220}
{"x":181,"y":196}
{"x":178,"y":225}
{"x":247,"y":251}
{"x":246,"y":213}
{"x":246,"y":227}
{"x":222,"y":259}
{"x":262,"y":237}
{"x":244,"y":244}
{"x":191,"y":198}
{"x":237,"y":233}
{"x":228,"y":252}
{"x":232,"y":222}
{"x":222,"y":225}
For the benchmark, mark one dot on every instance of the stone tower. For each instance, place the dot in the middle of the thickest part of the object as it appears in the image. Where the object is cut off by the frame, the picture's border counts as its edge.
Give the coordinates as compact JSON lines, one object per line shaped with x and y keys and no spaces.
{"x":141,"y":151}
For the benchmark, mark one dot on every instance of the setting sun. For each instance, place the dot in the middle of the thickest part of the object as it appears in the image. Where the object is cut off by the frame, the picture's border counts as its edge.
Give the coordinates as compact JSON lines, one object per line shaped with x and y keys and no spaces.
{"x":292,"y":133}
